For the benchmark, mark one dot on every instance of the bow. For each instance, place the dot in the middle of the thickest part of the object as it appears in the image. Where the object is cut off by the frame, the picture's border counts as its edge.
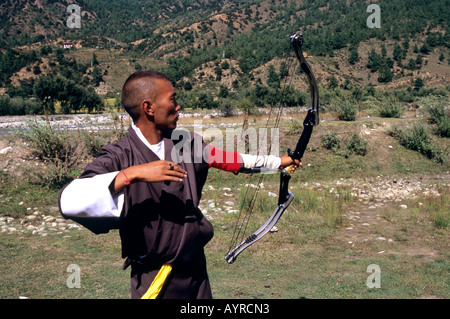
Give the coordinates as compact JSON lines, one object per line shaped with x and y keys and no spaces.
{"x":285,"y":197}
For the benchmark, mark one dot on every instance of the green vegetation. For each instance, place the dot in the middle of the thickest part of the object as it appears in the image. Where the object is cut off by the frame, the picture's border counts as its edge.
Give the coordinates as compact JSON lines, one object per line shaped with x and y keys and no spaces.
{"x":390,"y":108}
{"x":209,"y":55}
{"x":385,"y":119}
{"x":69,"y":83}
{"x":352,"y":144}
{"x":313,"y":235}
{"x":417,"y":138}
{"x":347,"y":111}
{"x":438,"y":115}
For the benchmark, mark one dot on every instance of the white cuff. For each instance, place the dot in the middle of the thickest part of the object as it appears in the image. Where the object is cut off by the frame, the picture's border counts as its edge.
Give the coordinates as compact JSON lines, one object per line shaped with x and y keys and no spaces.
{"x":268,"y":161}
{"x":90,"y":197}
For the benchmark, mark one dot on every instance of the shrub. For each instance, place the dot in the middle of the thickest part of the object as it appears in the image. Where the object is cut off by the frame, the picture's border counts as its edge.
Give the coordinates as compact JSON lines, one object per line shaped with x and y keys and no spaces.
{"x":330,"y":141}
{"x":347,"y":111}
{"x":294,"y":127}
{"x":436,"y":112}
{"x":417,"y":138}
{"x":439,"y":117}
{"x":226,"y":107}
{"x":93,"y":143}
{"x":52,"y":147}
{"x":47,"y":144}
{"x":443,"y":127}
{"x":390,"y":108}
{"x":52,"y":176}
{"x":355,"y":144}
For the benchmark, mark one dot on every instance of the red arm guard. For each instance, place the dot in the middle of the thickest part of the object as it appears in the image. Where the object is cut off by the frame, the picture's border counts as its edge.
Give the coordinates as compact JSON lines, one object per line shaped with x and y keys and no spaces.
{"x":223,"y":160}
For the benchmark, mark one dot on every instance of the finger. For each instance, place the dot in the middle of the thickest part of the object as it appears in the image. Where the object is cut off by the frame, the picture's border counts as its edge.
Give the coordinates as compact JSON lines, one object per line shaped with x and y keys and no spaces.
{"x":176,"y":174}
{"x":169,"y":178}
{"x":290,"y":169}
{"x":176,"y":168}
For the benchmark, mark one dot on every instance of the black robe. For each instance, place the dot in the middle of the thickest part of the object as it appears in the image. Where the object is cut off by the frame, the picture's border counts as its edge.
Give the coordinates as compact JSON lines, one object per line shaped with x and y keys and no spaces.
{"x":160,"y":222}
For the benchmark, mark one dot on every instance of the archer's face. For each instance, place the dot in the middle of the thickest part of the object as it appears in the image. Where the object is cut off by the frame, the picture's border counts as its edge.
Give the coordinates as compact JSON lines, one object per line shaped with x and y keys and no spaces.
{"x":166,"y":106}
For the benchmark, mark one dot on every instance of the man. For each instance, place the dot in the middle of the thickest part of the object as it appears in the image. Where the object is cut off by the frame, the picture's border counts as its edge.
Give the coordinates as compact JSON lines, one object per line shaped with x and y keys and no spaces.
{"x":149,"y":188}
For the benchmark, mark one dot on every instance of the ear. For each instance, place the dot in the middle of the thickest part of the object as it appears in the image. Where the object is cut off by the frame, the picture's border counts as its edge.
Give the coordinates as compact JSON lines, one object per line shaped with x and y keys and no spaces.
{"x":148,"y":107}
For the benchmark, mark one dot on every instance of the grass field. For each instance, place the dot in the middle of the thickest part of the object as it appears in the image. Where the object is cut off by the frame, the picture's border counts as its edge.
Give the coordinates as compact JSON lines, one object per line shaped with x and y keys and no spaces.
{"x":342,"y":221}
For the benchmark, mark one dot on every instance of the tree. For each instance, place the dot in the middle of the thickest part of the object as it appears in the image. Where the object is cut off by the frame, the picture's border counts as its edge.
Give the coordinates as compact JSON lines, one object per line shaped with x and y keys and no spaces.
{"x":347,"y":111}
{"x":398,"y":53}
{"x":291,"y":97}
{"x":246,"y":105}
{"x":411,"y":64}
{"x":259,"y":94}
{"x":418,"y":83}
{"x":187,"y":86}
{"x":205,"y":100}
{"x":374,"y":62}
{"x":46,"y":89}
{"x":247,"y":63}
{"x":435,"y":39}
{"x":419,"y":61}
{"x":71,"y":97}
{"x":91,"y":100}
{"x":383,"y":51}
{"x":425,"y":48}
{"x":37,"y":69}
{"x":354,"y":56}
{"x":273,"y":79}
{"x":94,"y":59}
{"x":284,"y":72}
{"x":333,"y":82}
{"x":223,"y":91}
{"x":347,"y":85}
{"x":96,"y":76}
{"x":385,"y":74}
{"x":406,"y":44}
{"x":59,"y":54}
{"x":218,"y":71}
{"x":225,"y":65}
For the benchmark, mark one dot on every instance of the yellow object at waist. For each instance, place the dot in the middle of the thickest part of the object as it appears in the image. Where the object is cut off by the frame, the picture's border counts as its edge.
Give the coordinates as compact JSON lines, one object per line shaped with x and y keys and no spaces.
{"x":158,"y":283}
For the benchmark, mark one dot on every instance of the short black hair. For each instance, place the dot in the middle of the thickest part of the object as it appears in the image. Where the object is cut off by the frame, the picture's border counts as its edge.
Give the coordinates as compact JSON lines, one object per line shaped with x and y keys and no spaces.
{"x":138,"y":87}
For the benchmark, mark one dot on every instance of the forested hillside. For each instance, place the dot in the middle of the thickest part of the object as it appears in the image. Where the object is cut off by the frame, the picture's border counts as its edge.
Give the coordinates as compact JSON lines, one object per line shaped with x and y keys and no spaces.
{"x":209,"y":48}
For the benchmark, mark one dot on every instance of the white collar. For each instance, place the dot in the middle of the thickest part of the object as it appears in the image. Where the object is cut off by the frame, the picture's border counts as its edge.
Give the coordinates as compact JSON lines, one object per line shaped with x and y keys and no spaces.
{"x":158,"y":149}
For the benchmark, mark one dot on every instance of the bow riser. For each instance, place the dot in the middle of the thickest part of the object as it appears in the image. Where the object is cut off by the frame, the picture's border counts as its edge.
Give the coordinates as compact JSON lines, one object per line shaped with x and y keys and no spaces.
{"x":308,"y":125}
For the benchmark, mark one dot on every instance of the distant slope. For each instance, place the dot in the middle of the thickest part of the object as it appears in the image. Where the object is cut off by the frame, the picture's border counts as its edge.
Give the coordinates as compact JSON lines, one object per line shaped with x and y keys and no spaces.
{"x":190,"y":37}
